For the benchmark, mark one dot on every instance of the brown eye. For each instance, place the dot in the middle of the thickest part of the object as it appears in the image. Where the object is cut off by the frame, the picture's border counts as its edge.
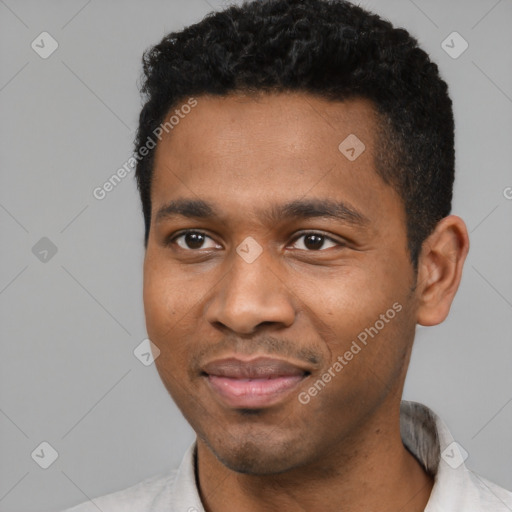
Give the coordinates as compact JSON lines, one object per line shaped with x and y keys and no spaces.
{"x":315,"y":242}
{"x":191,"y":240}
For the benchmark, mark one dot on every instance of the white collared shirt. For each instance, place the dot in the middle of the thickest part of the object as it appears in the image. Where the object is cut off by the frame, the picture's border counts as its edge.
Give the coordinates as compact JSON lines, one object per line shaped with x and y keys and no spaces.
{"x":456,"y":488}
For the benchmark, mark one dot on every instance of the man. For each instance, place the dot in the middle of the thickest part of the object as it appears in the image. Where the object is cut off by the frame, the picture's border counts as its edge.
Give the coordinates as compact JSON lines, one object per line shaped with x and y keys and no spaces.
{"x":295,"y":165}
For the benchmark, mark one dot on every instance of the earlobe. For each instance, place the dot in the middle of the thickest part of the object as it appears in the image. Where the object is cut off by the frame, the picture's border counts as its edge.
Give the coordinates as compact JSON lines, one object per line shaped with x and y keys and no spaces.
{"x":440,"y":269}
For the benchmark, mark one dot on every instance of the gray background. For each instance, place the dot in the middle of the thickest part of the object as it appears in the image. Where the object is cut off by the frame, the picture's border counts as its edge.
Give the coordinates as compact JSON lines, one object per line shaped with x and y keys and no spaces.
{"x":70,"y":324}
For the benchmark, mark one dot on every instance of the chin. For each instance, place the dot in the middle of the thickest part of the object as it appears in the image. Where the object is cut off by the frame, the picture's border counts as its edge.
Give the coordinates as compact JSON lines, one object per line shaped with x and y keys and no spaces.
{"x":252,"y":461}
{"x":257,"y":455}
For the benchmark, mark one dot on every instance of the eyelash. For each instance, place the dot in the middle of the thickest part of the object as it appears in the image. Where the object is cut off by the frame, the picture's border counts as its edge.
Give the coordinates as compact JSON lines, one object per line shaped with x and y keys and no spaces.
{"x":172,"y":239}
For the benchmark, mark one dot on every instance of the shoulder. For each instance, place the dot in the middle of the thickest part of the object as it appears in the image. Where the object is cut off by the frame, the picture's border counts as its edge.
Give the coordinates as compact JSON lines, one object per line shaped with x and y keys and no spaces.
{"x":137,"y":498}
{"x":456,"y":486}
{"x":488,"y":495}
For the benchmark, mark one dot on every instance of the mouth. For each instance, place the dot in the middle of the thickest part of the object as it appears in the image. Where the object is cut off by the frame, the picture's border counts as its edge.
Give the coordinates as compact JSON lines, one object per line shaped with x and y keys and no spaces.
{"x":255,"y":383}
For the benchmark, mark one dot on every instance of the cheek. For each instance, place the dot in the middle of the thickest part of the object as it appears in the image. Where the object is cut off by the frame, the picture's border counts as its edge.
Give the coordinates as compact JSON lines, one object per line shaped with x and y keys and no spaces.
{"x":166,"y":328}
{"x":167,"y":299}
{"x":159,"y":311}
{"x":359,"y":374}
{"x":347,"y":300}
{"x":360,"y":321}
{"x":170,"y":305}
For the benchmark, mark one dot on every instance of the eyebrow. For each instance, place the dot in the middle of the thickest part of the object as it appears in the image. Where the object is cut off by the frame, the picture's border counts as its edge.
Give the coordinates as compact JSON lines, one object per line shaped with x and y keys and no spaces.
{"x":299,"y":209}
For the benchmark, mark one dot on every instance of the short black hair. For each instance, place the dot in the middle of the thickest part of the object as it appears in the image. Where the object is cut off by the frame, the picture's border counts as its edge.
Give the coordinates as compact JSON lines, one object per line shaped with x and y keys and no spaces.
{"x":334,"y":50}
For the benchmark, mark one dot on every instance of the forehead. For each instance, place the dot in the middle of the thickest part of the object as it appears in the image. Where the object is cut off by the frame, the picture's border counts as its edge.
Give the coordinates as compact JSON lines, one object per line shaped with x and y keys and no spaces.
{"x":297,"y":124}
{"x":249,"y":150}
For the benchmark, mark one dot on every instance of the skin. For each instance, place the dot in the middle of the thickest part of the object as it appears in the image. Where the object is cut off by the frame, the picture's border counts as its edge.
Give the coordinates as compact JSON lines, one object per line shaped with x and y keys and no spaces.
{"x":299,"y":301}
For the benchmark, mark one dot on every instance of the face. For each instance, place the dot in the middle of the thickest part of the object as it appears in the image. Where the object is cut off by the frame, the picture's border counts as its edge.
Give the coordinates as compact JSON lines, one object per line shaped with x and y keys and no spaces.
{"x":277,"y":282}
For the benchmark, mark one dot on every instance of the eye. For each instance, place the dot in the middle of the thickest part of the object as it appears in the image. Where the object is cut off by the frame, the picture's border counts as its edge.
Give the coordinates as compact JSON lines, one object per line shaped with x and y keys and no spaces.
{"x":192,"y":240}
{"x":315,"y":241}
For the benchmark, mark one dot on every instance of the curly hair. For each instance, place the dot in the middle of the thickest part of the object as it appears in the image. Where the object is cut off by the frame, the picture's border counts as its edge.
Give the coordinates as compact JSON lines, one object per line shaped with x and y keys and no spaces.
{"x":328,"y":48}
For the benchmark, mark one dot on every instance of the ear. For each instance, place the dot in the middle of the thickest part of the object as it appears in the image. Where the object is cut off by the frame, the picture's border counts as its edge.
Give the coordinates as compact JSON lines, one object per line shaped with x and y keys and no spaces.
{"x":440,"y":265}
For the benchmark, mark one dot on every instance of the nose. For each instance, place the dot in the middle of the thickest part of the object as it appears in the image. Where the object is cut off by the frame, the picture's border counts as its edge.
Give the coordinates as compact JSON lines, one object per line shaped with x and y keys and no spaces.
{"x":251,"y":295}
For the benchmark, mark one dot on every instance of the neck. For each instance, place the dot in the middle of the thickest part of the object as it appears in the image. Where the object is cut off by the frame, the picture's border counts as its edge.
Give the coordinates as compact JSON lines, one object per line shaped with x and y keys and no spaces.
{"x":370,"y":471}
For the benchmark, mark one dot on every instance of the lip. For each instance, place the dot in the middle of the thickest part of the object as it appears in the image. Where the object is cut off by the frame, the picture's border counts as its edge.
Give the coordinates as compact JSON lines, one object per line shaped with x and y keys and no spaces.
{"x":254,"y":383}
